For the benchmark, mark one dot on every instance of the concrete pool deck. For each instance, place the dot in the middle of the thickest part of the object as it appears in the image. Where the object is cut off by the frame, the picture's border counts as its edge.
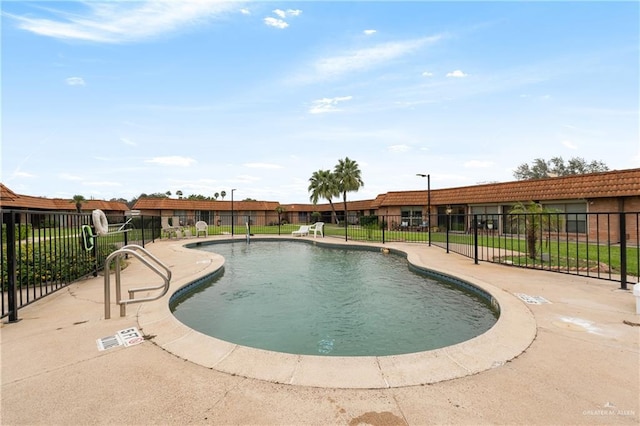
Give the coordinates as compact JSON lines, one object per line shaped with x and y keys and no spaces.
{"x":575,"y":360}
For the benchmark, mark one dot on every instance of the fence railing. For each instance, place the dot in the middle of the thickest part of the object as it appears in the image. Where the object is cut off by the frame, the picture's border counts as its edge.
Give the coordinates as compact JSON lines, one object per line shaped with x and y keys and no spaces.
{"x":598,"y":245}
{"x":42,"y":252}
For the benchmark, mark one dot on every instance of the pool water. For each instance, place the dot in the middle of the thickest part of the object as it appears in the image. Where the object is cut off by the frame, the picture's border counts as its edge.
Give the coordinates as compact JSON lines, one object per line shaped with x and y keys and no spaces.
{"x":301,"y":298}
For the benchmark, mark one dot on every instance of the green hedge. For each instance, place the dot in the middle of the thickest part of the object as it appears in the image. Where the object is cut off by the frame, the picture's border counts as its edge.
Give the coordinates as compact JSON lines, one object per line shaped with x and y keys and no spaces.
{"x":43,"y":265}
{"x":22,"y":231}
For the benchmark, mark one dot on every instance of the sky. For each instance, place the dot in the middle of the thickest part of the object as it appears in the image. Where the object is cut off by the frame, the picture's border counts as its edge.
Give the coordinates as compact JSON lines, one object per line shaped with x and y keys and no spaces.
{"x":120,"y":98}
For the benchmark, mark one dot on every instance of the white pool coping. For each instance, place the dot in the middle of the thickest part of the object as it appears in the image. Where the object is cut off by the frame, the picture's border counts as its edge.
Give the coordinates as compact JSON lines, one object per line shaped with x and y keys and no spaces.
{"x":512,"y":334}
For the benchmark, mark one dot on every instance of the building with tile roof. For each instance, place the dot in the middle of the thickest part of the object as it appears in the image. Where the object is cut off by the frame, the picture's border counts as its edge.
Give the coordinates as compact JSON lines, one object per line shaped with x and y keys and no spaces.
{"x":11,"y":200}
{"x":578,"y":195}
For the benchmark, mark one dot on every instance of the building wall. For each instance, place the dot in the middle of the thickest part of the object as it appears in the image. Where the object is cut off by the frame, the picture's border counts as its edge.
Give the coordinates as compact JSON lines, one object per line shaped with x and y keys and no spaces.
{"x":607,"y":222}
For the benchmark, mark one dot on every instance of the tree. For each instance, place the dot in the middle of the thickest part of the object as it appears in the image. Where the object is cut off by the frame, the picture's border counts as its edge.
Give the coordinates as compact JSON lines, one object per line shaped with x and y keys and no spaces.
{"x":223,"y":194}
{"x":79,"y":200}
{"x":216,"y":195}
{"x":179,"y":194}
{"x":348,"y":178}
{"x":322,"y":184}
{"x":556,"y":166}
{"x":168,"y":193}
{"x":533,"y":220}
{"x":198,"y":197}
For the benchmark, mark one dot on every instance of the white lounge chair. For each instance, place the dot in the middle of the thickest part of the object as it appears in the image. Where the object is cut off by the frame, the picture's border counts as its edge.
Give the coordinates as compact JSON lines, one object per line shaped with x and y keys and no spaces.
{"x":201,"y":226}
{"x":167,"y":230}
{"x":317,"y":227}
{"x":304,"y":230}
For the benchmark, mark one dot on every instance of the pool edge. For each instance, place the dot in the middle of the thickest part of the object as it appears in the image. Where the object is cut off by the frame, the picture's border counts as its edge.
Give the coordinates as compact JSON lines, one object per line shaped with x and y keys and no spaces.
{"x":512,"y":334}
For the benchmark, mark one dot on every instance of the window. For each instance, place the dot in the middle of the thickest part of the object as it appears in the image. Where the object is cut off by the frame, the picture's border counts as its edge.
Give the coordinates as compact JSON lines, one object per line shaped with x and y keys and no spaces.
{"x":455,"y":221}
{"x":204,"y":215}
{"x":488,"y":216}
{"x":412,"y":216}
{"x":575,"y":217}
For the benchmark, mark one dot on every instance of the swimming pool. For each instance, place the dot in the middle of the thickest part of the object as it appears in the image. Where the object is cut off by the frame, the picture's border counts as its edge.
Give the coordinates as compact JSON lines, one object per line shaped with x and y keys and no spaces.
{"x":299,"y":298}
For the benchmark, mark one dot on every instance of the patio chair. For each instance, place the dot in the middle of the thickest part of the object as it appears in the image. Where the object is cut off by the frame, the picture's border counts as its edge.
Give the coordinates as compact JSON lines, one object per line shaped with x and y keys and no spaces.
{"x":201,"y":226}
{"x":167,"y":230}
{"x":317,"y":227}
{"x":175,"y":222}
{"x":304,"y":230}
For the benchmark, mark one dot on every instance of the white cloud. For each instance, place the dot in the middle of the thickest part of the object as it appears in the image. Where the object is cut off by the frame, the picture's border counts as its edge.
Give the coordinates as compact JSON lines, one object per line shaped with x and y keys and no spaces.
{"x":245,"y":11}
{"x":369,"y":32}
{"x":399,"y":148}
{"x":247,"y":179}
{"x":174,"y":160}
{"x":477,"y":164}
{"x":75,"y":81}
{"x":456,"y":74}
{"x":323,"y":105}
{"x":23,"y":175}
{"x":569,"y":144}
{"x":124,"y":21}
{"x":363,"y":59}
{"x":127,"y":141}
{"x":280,"y":22}
{"x":67,"y":176}
{"x":262,"y":166}
{"x":102,"y":183}
{"x":287,"y":13}
{"x":427,"y":74}
{"x":275,"y":22}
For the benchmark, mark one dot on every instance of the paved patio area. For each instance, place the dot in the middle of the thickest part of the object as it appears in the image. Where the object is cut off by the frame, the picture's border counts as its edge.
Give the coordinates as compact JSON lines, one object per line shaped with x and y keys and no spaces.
{"x":575,"y":360}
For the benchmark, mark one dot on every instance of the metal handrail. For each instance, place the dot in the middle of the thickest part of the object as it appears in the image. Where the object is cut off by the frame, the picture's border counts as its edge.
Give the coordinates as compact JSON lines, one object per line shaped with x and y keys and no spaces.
{"x":132,"y":249}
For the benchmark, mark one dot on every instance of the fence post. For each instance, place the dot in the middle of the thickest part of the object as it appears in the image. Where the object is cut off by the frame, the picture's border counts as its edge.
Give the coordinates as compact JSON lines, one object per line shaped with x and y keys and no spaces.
{"x":12,"y":295}
{"x":384,"y":226}
{"x":475,"y":239}
{"x":142,"y":228}
{"x":448,"y":226}
{"x":623,"y":249}
{"x":95,"y":251}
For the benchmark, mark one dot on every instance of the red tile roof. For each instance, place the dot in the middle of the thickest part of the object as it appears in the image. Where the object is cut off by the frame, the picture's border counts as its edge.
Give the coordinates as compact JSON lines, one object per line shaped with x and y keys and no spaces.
{"x":617,"y":183}
{"x":150,"y":203}
{"x":9,"y":199}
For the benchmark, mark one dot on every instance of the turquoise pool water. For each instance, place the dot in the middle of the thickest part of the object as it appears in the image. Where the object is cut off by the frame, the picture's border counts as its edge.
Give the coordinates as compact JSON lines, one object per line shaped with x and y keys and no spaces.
{"x":301,"y":298}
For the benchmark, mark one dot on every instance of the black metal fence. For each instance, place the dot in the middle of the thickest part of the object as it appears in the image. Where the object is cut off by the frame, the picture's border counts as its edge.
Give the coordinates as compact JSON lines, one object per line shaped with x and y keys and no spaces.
{"x":44,"y":251}
{"x":598,"y":245}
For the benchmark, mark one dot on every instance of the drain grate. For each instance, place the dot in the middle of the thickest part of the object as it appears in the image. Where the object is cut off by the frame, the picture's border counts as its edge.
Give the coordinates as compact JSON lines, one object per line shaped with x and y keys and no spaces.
{"x":531,"y":300}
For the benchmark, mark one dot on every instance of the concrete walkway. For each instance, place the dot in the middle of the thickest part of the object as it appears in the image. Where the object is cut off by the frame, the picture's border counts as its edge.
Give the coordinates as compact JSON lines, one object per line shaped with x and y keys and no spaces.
{"x":580,"y":365}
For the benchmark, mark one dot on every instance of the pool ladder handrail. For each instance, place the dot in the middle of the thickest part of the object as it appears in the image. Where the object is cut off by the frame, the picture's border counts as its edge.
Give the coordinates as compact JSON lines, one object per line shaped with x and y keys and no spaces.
{"x":132,"y":249}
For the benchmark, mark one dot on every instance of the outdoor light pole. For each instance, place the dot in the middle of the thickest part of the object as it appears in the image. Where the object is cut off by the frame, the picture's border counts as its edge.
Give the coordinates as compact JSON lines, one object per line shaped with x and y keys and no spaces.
{"x":428,"y":203}
{"x":232,"y":212}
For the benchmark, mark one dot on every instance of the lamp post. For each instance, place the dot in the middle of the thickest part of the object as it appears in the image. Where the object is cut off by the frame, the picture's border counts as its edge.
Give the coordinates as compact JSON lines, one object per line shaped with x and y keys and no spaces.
{"x":428,"y":203}
{"x":232,"y":212}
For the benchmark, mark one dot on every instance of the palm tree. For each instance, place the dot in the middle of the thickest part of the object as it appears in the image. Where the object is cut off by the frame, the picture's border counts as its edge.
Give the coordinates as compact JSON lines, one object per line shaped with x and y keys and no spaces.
{"x":322,"y":184}
{"x":216,"y":195}
{"x":348,"y":178}
{"x":79,"y":200}
{"x":168,"y":193}
{"x":179,"y":193}
{"x":223,"y":194}
{"x":533,"y":220}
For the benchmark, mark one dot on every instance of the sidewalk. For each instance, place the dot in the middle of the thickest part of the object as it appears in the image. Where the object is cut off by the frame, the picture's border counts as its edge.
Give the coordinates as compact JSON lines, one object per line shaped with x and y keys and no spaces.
{"x":583,"y":367}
